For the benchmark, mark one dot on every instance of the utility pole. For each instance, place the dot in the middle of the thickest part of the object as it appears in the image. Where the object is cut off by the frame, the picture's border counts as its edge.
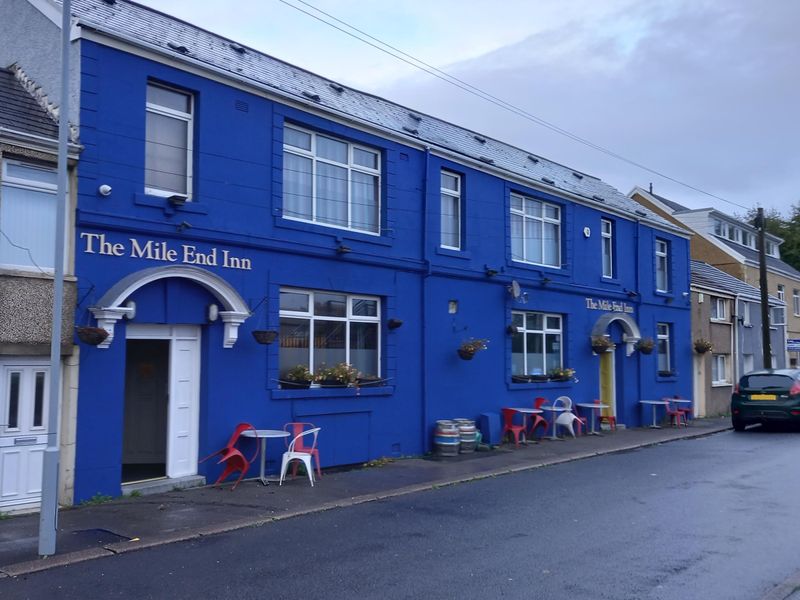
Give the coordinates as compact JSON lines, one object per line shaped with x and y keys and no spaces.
{"x":48,"y":515}
{"x":762,"y":279}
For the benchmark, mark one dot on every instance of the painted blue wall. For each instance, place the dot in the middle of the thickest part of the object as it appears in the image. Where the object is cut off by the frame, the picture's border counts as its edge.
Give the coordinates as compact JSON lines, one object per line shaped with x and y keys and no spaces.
{"x":237,"y":207}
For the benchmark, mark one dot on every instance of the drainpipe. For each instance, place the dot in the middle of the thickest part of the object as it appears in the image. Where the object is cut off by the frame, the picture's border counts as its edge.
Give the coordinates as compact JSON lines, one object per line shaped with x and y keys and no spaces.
{"x":424,"y":297}
{"x":735,"y":337}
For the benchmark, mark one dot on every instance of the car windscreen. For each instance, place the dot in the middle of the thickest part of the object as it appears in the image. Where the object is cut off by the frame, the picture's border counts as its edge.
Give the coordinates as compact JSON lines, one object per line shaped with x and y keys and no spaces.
{"x":766,"y":382}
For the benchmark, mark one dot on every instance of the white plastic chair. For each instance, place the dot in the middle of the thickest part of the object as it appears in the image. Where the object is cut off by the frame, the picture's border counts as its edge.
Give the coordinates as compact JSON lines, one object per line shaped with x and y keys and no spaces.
{"x":566,"y":418}
{"x":291,"y":455}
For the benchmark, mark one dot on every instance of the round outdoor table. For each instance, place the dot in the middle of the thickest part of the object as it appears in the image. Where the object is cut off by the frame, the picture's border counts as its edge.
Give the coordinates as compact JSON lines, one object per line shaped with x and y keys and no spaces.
{"x":525,"y":412}
{"x":554,"y":410}
{"x":654,"y":403}
{"x":264,"y":434}
{"x":594,"y":406}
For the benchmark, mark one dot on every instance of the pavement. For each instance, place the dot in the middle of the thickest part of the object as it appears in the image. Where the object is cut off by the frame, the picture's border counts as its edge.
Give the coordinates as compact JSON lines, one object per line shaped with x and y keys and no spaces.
{"x":128,"y":524}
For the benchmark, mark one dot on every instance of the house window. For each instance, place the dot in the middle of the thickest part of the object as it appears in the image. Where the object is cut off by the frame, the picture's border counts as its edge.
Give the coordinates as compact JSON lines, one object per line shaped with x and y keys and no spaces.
{"x":719,"y":369}
{"x":607,"y":241}
{"x":535,"y":231}
{"x":719,"y":309}
{"x":772,"y":249}
{"x":168,"y":142}
{"x":781,"y":293}
{"x":330,"y":182}
{"x":450,"y":210}
{"x":747,"y":239}
{"x":322,"y":329}
{"x":27,"y":215}
{"x":663,"y":342}
{"x":778,"y":316}
{"x":662,"y":266}
{"x":536,"y":346}
{"x":747,"y":362}
{"x":746,"y":314}
{"x":719,"y":227}
{"x":796,"y":302}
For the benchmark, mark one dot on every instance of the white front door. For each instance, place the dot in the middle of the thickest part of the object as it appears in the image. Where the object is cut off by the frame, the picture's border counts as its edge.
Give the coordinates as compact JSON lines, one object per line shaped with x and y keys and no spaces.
{"x":183,"y":404}
{"x":23,"y":429}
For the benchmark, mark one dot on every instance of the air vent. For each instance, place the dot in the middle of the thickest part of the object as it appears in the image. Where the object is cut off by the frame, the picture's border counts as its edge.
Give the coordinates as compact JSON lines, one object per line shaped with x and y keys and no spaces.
{"x":410,"y":130}
{"x":416,"y":117}
{"x":578,"y":175}
{"x":486,"y":159}
{"x":336,"y":87}
{"x":598,"y":198}
{"x":110,"y":2}
{"x":312,"y":96}
{"x":533,"y":159}
{"x":479,"y":139}
{"x":178,"y":47}
{"x":238,"y":48}
{"x":548,"y":180}
{"x":641,"y":213}
{"x":242,"y":106}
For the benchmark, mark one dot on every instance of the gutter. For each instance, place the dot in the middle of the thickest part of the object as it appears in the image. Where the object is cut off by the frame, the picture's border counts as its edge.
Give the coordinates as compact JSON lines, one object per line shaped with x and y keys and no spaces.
{"x":14,"y":135}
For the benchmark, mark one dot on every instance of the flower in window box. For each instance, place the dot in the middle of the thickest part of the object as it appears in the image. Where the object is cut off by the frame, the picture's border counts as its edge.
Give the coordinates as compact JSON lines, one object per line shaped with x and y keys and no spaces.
{"x":298,"y":377}
{"x":472,"y":346}
{"x":645,"y":345}
{"x":562,"y":373}
{"x":342,"y":375}
{"x":602,"y":343}
{"x":701,"y":346}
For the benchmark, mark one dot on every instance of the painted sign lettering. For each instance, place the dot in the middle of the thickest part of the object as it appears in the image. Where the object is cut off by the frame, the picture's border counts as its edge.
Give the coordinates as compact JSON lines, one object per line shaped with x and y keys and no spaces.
{"x":608,"y":305}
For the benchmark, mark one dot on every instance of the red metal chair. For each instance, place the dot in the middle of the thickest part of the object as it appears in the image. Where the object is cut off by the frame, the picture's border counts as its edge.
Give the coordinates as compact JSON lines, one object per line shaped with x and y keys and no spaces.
{"x":610,"y":419}
{"x":675,"y":415}
{"x":510,"y":427}
{"x":296,"y":429}
{"x":538,"y":420}
{"x":686,"y":410}
{"x":232,"y":457}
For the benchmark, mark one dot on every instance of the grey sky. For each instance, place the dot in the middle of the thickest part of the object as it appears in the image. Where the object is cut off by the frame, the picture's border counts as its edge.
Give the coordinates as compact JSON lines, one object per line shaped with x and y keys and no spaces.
{"x":704,"y":91}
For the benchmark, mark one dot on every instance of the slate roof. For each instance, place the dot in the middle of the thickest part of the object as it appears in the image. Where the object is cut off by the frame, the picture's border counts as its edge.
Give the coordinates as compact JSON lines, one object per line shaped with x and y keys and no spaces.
{"x":20,"y":112}
{"x":148,"y":28}
{"x":707,"y":276}
{"x":751,"y":256}
{"x":670,"y":203}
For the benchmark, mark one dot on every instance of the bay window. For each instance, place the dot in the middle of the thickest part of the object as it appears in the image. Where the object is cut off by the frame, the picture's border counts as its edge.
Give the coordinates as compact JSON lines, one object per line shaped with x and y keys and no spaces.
{"x":330,"y":182}
{"x":536,"y":347}
{"x":322,"y":329}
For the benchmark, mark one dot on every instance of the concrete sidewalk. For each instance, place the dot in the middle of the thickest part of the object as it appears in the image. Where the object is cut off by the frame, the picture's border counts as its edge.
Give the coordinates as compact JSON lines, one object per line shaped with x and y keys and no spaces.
{"x":128,"y":524}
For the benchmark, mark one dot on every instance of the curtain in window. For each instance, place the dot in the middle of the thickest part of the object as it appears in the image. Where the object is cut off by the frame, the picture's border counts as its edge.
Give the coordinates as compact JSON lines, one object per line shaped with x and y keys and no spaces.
{"x":331,"y":194}
{"x":364,"y":210}
{"x":364,"y":347}
{"x":166,"y":153}
{"x":297,"y":186}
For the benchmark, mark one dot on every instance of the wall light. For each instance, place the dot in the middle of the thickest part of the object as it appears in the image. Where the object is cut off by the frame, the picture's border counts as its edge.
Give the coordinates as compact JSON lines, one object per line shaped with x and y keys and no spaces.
{"x":213,"y":312}
{"x":104,"y":190}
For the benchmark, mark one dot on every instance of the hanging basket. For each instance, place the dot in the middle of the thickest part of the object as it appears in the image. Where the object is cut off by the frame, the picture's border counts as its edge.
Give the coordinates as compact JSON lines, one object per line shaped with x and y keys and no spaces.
{"x":265,"y":337}
{"x":702,"y":346}
{"x":91,"y":335}
{"x":466,"y":354}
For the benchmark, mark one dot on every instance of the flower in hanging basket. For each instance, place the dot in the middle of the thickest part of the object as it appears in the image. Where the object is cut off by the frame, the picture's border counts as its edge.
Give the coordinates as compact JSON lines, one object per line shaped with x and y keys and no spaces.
{"x":470,"y":347}
{"x":91,"y":335}
{"x":602,"y":343}
{"x":298,"y":377}
{"x":645,"y":345}
{"x":264,"y":337}
{"x":701,"y":346}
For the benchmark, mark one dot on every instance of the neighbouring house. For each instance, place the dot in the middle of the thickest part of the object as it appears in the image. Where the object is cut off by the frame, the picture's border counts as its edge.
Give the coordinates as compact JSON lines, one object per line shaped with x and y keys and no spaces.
{"x":28,"y":202}
{"x":726,"y":313}
{"x":239,"y":217}
{"x":731,"y":245}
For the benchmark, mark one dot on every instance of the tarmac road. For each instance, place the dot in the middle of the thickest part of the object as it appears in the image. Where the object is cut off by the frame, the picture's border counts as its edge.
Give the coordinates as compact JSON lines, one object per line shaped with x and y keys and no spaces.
{"x":708,"y":518}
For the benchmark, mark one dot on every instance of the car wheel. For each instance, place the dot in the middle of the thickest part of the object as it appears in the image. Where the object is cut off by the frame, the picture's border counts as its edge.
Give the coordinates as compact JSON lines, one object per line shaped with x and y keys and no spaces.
{"x":738,"y":424}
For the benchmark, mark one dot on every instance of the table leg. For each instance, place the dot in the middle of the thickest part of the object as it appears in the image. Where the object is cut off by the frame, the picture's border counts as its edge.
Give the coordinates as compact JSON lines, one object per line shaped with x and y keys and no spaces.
{"x":654,"y":426}
{"x":263,"y":462}
{"x":594,"y":419}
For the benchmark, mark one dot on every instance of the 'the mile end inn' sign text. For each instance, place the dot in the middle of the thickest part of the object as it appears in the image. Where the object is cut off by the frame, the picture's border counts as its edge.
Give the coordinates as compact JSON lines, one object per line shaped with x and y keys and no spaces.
{"x":608,"y":305}
{"x":187,"y":254}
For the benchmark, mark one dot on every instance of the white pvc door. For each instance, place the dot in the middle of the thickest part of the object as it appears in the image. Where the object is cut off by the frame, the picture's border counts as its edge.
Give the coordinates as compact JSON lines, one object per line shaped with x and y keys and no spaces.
{"x":23,"y":430}
{"x":183,"y":402}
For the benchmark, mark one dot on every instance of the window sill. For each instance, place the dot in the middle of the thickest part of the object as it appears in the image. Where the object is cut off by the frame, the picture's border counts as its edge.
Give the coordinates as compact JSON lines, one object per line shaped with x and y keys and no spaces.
{"x":462,"y":254}
{"x":546,"y":384}
{"x":163,"y":203}
{"x":719,"y":384}
{"x":336,"y":232}
{"x":333,"y":393}
{"x":666,"y":376}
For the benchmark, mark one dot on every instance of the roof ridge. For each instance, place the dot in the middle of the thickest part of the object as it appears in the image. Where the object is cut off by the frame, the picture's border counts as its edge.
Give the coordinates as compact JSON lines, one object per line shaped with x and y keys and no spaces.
{"x":37,"y":92}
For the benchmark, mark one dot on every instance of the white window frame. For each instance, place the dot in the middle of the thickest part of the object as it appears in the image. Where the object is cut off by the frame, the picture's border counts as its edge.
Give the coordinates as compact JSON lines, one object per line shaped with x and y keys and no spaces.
{"x":663,"y":335}
{"x":796,"y":303}
{"x":181,"y":116}
{"x":10,"y":181}
{"x":450,"y":194}
{"x":781,"y":292}
{"x":662,"y":264}
{"x":777,"y":316}
{"x":544,"y":332}
{"x":745,"y":313}
{"x":719,"y":309}
{"x":719,"y":369}
{"x":771,"y":248}
{"x":350,"y":166}
{"x":348,"y":319}
{"x":607,"y":247}
{"x":541,"y":220}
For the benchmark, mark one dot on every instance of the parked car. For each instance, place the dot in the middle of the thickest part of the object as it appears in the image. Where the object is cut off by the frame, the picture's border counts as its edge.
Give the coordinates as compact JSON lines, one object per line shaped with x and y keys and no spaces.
{"x":768,"y":396}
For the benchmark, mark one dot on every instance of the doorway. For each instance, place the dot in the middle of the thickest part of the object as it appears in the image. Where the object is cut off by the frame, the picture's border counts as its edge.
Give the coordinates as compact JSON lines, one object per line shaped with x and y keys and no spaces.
{"x":608,"y":391}
{"x":162,"y":373}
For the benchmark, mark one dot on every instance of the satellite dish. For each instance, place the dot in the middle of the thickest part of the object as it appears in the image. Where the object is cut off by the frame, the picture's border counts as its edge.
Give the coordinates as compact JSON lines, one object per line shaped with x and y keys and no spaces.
{"x":514,"y":289}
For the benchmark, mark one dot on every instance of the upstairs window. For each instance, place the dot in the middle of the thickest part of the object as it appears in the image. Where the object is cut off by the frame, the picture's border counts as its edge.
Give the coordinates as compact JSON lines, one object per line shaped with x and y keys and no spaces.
{"x":330,"y":182}
{"x":450,"y":210}
{"x":27,"y":215}
{"x":607,"y":250}
{"x":781,"y":293}
{"x":746,"y":314}
{"x":662,"y":266}
{"x":535,"y":231}
{"x":168,"y":142}
{"x":719,"y":309}
{"x":536,"y":346}
{"x":796,"y":302}
{"x":663,"y":344}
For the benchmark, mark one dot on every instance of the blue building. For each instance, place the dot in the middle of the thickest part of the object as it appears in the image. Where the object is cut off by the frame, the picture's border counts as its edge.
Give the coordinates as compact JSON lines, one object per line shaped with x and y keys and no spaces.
{"x":222,"y":192}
